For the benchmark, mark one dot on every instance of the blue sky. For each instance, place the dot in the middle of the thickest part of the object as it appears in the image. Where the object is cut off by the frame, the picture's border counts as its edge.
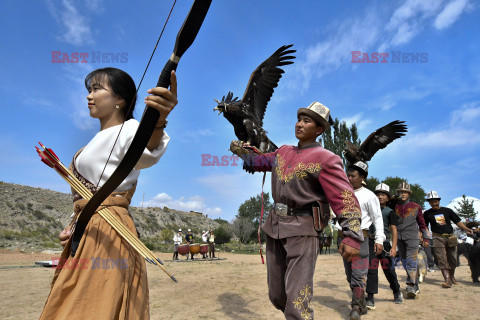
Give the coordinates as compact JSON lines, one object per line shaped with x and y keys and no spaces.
{"x":439,"y":99}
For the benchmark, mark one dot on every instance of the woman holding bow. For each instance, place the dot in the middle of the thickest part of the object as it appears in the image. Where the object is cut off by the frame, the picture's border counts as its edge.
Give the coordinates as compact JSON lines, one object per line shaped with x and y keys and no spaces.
{"x":107,"y":279}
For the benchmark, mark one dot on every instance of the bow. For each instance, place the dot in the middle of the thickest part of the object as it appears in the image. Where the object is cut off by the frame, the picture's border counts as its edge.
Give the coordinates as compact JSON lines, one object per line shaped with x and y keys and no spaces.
{"x":185,"y":38}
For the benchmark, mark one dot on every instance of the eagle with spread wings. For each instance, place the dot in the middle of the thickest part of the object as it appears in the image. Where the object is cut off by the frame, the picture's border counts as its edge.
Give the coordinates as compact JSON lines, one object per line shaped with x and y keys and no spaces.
{"x":246,"y":115}
{"x":377,"y":140}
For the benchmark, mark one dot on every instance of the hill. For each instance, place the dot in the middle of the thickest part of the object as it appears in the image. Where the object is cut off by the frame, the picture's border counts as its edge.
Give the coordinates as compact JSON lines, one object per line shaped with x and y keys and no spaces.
{"x":31,"y":219}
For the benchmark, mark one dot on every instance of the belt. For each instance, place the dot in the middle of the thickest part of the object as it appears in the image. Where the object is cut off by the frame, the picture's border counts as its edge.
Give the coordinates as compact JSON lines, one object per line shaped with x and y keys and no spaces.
{"x":364,"y":231}
{"x":284,"y":210}
{"x":442,"y":235}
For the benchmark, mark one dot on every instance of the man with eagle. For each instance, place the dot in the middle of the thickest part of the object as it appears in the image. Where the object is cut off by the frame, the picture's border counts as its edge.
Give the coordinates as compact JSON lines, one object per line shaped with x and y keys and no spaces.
{"x":306,"y":180}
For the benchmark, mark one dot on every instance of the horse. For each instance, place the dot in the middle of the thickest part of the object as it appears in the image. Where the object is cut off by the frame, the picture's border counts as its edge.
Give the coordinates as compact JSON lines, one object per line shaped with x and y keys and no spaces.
{"x":474,"y":258}
{"x":321,"y":243}
{"x":327,"y":244}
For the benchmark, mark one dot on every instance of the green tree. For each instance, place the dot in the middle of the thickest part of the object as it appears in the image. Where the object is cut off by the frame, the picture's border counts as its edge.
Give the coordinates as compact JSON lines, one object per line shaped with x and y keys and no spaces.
{"x":251,"y":210}
{"x":418,"y":193}
{"x":223,"y":233}
{"x":466,"y":210}
{"x":221,"y":221}
{"x":243,"y":230}
{"x":166,"y":235}
{"x":334,"y":139}
{"x":372,"y":182}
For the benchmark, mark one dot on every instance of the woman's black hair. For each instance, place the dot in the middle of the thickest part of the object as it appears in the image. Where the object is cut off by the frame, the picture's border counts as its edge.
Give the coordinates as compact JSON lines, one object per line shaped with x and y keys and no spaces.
{"x":122,"y":86}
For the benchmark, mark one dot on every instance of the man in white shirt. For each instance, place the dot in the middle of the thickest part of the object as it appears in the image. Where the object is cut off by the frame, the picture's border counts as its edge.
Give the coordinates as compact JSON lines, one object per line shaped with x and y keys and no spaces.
{"x":177,"y":240}
{"x":357,"y":270}
{"x":205,"y":240}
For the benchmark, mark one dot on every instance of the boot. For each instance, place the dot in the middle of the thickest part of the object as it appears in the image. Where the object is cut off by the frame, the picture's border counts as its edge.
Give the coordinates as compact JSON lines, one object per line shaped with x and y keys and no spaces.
{"x":358,"y":303}
{"x":370,"y":302}
{"x":355,"y":313}
{"x":452,"y":276}
{"x":446,"y":276}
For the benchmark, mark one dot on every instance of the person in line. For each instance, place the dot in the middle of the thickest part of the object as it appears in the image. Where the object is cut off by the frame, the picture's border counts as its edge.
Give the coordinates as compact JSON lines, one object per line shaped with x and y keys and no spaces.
{"x":444,"y":241}
{"x":357,"y":269}
{"x":384,"y":259}
{"x":410,"y":221}
{"x":303,"y":176}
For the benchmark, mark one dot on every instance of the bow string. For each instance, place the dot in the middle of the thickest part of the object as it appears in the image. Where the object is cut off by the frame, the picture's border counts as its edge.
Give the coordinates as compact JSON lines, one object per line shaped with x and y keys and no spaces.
{"x":184,"y":40}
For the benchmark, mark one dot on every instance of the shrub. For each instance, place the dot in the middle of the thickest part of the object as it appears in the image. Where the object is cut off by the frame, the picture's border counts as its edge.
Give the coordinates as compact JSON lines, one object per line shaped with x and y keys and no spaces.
{"x":20,"y":205}
{"x":40,"y":215}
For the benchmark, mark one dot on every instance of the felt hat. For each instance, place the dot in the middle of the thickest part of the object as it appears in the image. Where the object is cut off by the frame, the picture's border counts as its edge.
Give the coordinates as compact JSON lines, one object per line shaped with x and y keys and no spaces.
{"x":433,"y":195}
{"x":404,"y":187}
{"x":360,"y":166}
{"x":382,"y":187}
{"x":317,"y":112}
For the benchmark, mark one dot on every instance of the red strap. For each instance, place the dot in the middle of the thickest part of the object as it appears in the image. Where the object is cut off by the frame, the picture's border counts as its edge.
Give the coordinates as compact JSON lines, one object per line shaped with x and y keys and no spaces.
{"x":261,"y":220}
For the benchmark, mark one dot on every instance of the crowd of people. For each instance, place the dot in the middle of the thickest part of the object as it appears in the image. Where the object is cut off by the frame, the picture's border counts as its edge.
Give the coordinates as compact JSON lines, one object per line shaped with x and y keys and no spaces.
{"x":374,"y":228}
{"x":392,"y":223}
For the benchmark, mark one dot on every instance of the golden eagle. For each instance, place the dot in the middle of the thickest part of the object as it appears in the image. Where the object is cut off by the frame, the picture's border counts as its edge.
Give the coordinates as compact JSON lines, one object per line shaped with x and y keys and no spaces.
{"x":246,"y":115}
{"x":376,"y":140}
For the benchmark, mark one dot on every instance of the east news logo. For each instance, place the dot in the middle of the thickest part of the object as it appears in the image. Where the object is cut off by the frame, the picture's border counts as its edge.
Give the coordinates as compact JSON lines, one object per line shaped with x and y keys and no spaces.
{"x":85,"y":57}
{"x":395,"y":57}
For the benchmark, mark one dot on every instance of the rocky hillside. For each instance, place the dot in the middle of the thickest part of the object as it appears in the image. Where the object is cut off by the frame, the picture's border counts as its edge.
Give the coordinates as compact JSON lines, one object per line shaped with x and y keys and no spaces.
{"x":31,"y":218}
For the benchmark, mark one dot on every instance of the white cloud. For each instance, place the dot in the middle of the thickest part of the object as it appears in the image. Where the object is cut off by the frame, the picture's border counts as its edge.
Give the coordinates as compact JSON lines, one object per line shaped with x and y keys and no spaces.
{"x":359,"y":33}
{"x":387,"y":105}
{"x":450,"y":137}
{"x":466,"y":114}
{"x":39,"y":102}
{"x":195,"y":203}
{"x":74,"y":26}
{"x":198,"y":134}
{"x":94,"y":5}
{"x":358,"y":119}
{"x":408,"y":20}
{"x":369,"y":30}
{"x":462,"y":131}
{"x":395,"y":98}
{"x":450,"y":14}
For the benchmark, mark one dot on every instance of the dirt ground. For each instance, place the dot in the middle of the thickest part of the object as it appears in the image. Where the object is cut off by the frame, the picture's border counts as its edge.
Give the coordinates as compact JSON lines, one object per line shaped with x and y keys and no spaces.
{"x":236,"y":288}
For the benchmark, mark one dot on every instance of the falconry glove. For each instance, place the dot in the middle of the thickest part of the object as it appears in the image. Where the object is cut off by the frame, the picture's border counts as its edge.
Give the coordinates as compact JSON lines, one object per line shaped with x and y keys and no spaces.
{"x":241,"y":148}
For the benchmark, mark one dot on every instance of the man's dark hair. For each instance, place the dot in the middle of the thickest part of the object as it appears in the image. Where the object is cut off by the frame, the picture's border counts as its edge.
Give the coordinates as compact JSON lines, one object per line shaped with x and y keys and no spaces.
{"x":360,"y":171}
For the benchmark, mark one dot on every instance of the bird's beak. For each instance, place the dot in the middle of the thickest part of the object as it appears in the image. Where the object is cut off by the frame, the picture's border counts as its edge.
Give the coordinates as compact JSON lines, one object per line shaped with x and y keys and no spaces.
{"x":219,"y":110}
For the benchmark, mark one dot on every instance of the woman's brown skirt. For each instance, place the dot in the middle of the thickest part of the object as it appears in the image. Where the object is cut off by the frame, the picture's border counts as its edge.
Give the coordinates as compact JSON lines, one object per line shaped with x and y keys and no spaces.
{"x":106,"y":279}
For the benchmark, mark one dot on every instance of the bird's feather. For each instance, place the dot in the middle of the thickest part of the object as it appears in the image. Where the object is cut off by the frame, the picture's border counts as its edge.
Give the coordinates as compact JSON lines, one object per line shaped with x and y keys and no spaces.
{"x":263,"y":81}
{"x":380,"y":138}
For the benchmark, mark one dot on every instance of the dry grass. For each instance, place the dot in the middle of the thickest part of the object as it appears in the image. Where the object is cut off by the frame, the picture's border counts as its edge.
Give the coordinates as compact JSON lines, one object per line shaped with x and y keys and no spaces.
{"x":235,"y":288}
